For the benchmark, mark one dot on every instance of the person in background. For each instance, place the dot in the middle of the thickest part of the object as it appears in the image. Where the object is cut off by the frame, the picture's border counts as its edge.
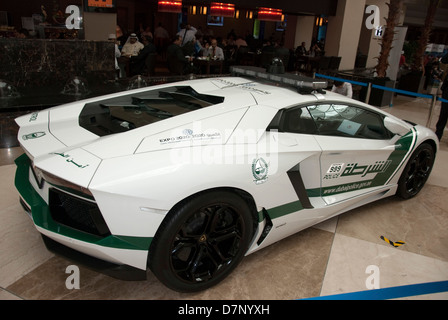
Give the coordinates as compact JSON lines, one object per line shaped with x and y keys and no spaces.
{"x":132,"y":47}
{"x":188,"y":34}
{"x":145,"y":32}
{"x":177,"y":62}
{"x":443,"y":116}
{"x":215,"y":52}
{"x":161,"y":38}
{"x":138,"y":63}
{"x":112,"y":37}
{"x":403,"y":63}
{"x":198,"y":47}
{"x":240,"y":42}
{"x":301,"y":50}
{"x":344,"y":88}
{"x":120,"y":38}
{"x":315,"y":50}
{"x":22,"y":33}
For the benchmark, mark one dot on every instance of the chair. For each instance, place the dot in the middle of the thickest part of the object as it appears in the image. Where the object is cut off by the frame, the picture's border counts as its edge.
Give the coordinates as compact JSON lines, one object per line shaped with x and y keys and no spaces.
{"x":175,"y":66}
{"x":361,"y":61}
{"x":334,"y":63}
{"x":150,"y":64}
{"x":266,"y":59}
{"x":243,"y":57}
{"x":324,"y":63}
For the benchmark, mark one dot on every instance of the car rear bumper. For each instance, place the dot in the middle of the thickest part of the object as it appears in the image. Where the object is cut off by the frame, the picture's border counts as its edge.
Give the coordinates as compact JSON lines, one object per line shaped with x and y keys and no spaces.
{"x":111,"y":252}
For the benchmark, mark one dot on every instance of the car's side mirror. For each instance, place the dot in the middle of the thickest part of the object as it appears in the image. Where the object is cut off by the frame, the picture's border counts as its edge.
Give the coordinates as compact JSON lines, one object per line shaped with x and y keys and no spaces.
{"x":396,"y":126}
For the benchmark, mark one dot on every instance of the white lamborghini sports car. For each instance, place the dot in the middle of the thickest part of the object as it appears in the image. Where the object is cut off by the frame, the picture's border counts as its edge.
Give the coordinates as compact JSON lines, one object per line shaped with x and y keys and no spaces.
{"x":187,"y":178}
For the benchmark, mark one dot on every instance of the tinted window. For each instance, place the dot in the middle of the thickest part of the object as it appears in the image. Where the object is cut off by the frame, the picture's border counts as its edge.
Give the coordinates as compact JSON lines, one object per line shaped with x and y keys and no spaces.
{"x":298,"y":120}
{"x":334,"y":120}
{"x":348,"y":121}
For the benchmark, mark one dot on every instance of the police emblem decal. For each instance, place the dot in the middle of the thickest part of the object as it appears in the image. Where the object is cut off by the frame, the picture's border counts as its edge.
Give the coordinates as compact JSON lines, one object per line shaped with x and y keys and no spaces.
{"x":260,"y":170}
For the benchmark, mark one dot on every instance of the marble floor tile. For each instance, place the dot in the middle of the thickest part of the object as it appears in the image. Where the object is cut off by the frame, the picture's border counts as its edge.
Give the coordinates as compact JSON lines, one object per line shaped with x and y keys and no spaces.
{"x":5,"y":295}
{"x":8,"y":155}
{"x":421,"y":222}
{"x":21,"y":247}
{"x":328,"y":225}
{"x":348,"y":266}
{"x":439,"y":175}
{"x":289,"y":269}
{"x":8,"y":194}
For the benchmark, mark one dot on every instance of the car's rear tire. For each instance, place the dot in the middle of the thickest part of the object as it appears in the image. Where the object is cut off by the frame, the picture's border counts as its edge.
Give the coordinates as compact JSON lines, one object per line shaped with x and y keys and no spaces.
{"x":416,"y":172}
{"x":201,"y":241}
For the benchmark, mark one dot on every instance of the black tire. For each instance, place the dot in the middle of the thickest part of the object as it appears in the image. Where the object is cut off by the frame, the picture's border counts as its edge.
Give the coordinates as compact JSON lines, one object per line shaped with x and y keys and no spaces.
{"x":201,"y":241}
{"x":416,"y":172}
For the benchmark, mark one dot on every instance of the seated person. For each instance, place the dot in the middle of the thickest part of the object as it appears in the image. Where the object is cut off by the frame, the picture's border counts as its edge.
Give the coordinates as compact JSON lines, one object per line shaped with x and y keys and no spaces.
{"x":138,"y":63}
{"x":240,"y":42}
{"x":301,"y":50}
{"x":344,"y":88}
{"x":132,"y":47}
{"x":214,"y":52}
{"x":177,"y":62}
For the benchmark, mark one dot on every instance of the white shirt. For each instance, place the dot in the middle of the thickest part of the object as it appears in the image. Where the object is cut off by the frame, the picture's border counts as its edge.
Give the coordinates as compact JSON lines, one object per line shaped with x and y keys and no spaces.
{"x":187,"y":36}
{"x":131,"y":49}
{"x":219,"y":53}
{"x":345,"y":89}
{"x":160,"y":32}
{"x":117,"y":55}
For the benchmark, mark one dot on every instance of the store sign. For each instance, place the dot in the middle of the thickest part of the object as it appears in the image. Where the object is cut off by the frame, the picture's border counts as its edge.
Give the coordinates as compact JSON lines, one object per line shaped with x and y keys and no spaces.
{"x":379,"y":31}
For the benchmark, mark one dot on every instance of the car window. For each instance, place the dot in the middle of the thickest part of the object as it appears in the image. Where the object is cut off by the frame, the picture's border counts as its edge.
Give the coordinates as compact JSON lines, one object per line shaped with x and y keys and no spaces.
{"x":348,"y":121}
{"x":298,"y":120}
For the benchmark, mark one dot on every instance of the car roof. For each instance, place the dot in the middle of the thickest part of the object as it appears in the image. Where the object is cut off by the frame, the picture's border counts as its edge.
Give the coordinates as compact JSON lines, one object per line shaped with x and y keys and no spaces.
{"x":246,"y":88}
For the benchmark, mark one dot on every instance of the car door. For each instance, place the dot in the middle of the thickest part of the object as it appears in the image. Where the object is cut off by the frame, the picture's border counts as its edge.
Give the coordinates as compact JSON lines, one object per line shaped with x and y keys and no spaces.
{"x":356,"y":149}
{"x":299,"y":153}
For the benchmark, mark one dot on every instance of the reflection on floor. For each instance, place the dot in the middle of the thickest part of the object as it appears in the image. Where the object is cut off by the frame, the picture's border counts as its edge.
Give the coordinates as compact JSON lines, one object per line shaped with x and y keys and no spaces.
{"x":331,"y":258}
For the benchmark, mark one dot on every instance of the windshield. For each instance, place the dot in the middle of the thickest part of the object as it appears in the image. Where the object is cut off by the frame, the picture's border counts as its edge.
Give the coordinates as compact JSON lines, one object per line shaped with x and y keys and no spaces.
{"x":136,"y":110}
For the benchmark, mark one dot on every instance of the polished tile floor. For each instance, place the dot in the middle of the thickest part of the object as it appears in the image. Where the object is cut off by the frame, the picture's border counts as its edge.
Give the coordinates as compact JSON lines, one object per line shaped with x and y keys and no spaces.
{"x":332,"y":258}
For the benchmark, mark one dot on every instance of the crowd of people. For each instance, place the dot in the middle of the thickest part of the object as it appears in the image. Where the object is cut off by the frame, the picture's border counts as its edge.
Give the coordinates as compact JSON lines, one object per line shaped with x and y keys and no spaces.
{"x":187,"y":44}
{"x":190,"y":43}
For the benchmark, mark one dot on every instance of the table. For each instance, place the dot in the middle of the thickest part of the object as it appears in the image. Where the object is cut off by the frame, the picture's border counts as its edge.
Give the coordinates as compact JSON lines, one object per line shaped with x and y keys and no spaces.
{"x":309,"y":62}
{"x":207,"y":63}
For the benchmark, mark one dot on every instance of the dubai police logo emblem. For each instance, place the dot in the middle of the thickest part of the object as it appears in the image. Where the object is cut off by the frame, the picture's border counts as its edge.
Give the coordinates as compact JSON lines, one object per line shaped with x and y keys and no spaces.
{"x":260,"y":170}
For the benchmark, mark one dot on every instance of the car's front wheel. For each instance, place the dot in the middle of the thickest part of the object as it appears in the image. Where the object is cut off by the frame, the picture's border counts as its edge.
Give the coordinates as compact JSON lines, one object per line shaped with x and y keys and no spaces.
{"x":416,"y":172}
{"x":201,"y":241}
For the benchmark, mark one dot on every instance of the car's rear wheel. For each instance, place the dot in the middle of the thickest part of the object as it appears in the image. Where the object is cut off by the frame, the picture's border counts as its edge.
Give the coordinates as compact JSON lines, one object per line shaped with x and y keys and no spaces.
{"x":416,"y":172}
{"x":201,"y":241}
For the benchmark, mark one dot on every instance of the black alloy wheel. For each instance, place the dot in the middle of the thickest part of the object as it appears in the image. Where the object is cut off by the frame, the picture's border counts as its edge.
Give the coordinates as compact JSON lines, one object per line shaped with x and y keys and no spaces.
{"x":416,"y":172}
{"x":202,"y":241}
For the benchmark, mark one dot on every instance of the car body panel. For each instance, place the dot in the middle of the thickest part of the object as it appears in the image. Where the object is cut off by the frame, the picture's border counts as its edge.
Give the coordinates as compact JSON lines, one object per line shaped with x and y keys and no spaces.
{"x":136,"y":177}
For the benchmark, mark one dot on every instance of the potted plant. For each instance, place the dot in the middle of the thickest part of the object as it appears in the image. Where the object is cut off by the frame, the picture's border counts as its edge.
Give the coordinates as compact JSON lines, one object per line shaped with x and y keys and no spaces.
{"x":413,"y":81}
{"x":380,"y":97}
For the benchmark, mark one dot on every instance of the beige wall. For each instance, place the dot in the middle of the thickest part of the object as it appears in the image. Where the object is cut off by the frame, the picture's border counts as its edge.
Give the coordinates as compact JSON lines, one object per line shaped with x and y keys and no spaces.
{"x":343,"y":32}
{"x":98,"y":26}
{"x":304,"y":31}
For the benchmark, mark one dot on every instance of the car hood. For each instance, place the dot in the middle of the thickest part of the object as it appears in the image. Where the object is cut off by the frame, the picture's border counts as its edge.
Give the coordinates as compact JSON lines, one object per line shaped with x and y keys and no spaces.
{"x":56,"y":131}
